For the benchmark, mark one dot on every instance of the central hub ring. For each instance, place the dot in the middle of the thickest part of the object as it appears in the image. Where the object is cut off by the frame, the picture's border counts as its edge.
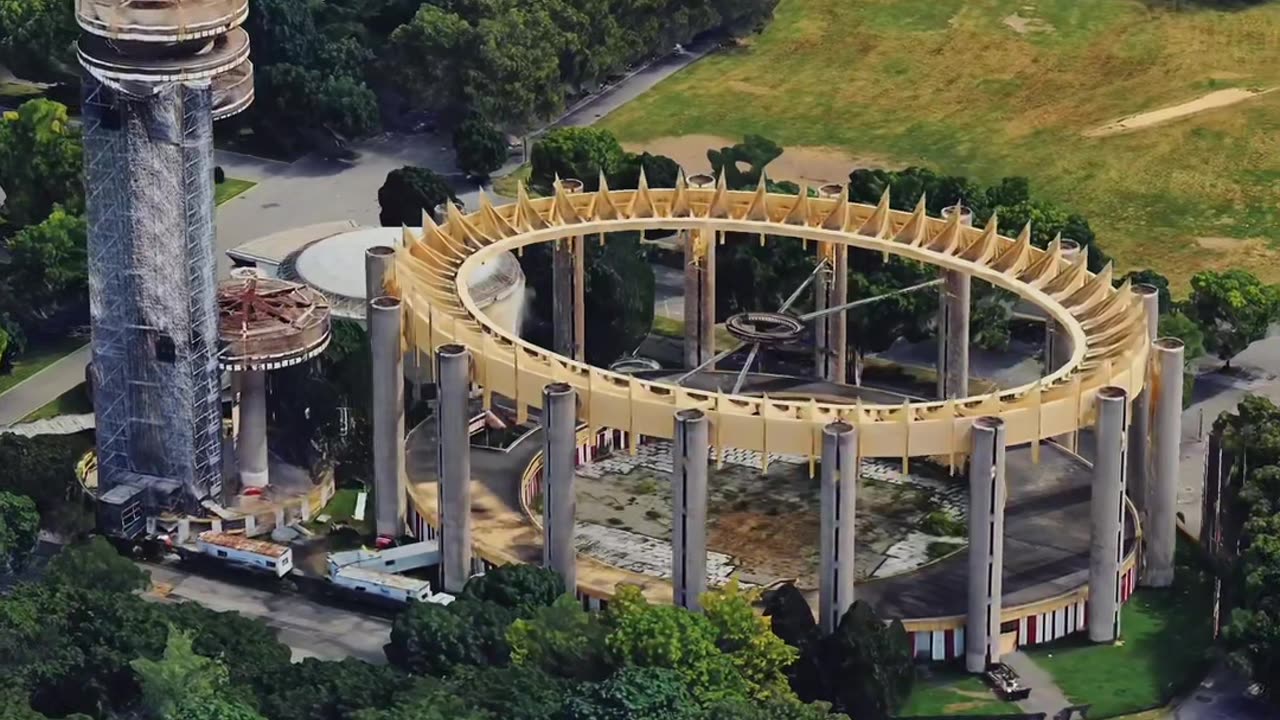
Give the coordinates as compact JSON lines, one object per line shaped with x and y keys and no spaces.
{"x":768,"y":328}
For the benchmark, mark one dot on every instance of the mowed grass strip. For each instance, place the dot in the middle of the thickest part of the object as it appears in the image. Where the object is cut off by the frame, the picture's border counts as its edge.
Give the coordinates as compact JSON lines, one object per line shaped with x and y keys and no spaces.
{"x":989,"y":88}
{"x":951,"y":692}
{"x":1164,"y":648}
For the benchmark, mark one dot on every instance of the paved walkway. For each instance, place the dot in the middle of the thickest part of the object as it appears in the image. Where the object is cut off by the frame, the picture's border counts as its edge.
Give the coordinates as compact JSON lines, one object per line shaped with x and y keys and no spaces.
{"x":1045,"y":696}
{"x":61,"y":425}
{"x":33,"y":393}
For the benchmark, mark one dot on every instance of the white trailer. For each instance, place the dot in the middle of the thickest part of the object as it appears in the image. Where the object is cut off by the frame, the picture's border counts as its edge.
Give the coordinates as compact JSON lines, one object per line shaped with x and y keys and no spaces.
{"x":254,"y":554}
{"x":386,"y":586}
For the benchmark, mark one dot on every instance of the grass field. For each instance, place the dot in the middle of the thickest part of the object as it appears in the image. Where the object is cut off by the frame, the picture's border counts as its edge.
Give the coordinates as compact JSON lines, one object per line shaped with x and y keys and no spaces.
{"x":953,"y":693}
{"x":230,"y":188}
{"x":1166,"y":636}
{"x":953,"y":85}
{"x":72,"y":402}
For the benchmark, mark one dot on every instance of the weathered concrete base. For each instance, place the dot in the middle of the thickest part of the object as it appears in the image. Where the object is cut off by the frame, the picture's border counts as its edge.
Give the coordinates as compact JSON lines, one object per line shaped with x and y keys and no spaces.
{"x":559,"y":498}
{"x":453,"y":392}
{"x":1162,"y":493}
{"x":251,"y":444}
{"x":836,"y":535}
{"x":387,"y":416}
{"x":987,"y":493}
{"x":689,"y":457}
{"x":1106,"y":510}
{"x":953,"y":335}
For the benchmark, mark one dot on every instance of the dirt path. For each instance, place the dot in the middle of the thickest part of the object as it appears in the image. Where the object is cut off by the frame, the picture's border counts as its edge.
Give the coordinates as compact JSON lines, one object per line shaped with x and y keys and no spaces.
{"x":812,"y":165}
{"x":1212,"y":101}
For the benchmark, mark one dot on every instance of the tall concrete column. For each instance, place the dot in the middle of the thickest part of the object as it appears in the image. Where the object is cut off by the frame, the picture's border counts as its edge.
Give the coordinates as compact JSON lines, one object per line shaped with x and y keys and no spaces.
{"x":1139,"y":453}
{"x":689,"y":456}
{"x":568,"y":317}
{"x":453,"y":453}
{"x":251,"y":443}
{"x":1106,"y":511}
{"x":1057,"y":341}
{"x":953,"y":323}
{"x":559,"y":502}
{"x":1161,"y":531}
{"x":387,"y":415}
{"x":987,"y":493}
{"x":699,"y":287}
{"x":379,"y":266}
{"x":821,"y":296}
{"x":831,"y":289}
{"x":836,"y":539}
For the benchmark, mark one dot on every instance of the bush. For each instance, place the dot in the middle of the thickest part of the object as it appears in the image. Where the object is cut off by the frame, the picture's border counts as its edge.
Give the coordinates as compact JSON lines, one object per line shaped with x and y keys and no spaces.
{"x":479,"y":146}
{"x":219,"y":175}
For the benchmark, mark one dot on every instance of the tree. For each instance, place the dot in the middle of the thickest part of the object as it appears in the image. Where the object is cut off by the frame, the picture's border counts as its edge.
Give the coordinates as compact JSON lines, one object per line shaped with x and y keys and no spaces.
{"x":867,"y":664}
{"x":755,"y":152}
{"x":774,"y":709}
{"x":320,"y":690}
{"x":562,"y":640}
{"x":245,"y":646}
{"x":4,"y":346}
{"x":1185,"y":329}
{"x":659,"y":170}
{"x":1233,"y":308}
{"x":49,"y":266}
{"x":634,"y":693}
{"x":37,"y":39}
{"x":516,"y":75}
{"x":992,"y":309}
{"x":410,"y":191}
{"x":429,"y":639}
{"x":760,"y":656}
{"x":581,"y":153}
{"x":427,"y":57}
{"x":479,"y":146}
{"x":511,"y":693}
{"x":43,"y":469}
{"x":180,"y":678}
{"x":664,"y":636}
{"x":1156,"y":280}
{"x":518,"y":587}
{"x":40,"y":161}
{"x":19,"y":528}
{"x":301,"y":108}
{"x":95,"y":565}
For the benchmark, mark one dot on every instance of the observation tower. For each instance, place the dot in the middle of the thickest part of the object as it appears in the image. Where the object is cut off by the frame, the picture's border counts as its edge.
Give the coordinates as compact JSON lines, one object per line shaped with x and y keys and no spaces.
{"x":157,"y":73}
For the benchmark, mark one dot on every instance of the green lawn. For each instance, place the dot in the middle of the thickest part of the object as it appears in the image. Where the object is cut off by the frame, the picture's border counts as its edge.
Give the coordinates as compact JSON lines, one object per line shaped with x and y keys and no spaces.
{"x":953,"y":86}
{"x":72,"y":402}
{"x":37,"y":357}
{"x":230,"y":188}
{"x":1166,"y":636}
{"x":953,"y":693}
{"x":340,"y":509}
{"x":670,"y":327}
{"x":507,"y":184}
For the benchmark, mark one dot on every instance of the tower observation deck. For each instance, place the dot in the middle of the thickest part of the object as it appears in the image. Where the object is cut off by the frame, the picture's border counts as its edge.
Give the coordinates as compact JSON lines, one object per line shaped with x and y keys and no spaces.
{"x":156,"y":74}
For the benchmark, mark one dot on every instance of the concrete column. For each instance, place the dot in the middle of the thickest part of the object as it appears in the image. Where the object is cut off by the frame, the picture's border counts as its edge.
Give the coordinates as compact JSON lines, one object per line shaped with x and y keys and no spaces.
{"x":953,"y":323}
{"x":836,"y":538}
{"x":379,"y":266}
{"x":821,"y":295}
{"x":831,"y":288}
{"x":1139,"y":453}
{"x":699,"y":286}
{"x":987,"y":493}
{"x":453,"y":456}
{"x":1106,"y":511}
{"x":559,"y":460}
{"x":566,"y":284}
{"x":689,"y":456}
{"x":837,"y":323}
{"x":387,"y":415}
{"x":1161,"y":531}
{"x":251,"y":443}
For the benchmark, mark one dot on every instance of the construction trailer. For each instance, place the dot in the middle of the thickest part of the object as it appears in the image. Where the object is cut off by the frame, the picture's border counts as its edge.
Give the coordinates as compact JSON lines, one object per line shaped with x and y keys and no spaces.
{"x":401,"y":558}
{"x":400,"y":589}
{"x":257,"y":555}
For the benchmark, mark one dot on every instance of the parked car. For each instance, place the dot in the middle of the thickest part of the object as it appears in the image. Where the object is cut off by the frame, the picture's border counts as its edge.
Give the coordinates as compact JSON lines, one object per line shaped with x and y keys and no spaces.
{"x":1006,"y":683}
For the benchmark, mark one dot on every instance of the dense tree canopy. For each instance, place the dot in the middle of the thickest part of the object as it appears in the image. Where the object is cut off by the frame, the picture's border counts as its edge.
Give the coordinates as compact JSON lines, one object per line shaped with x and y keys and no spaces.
{"x":19,"y":527}
{"x":1233,"y":308}
{"x":42,"y":468}
{"x":40,"y":161}
{"x":49,"y":268}
{"x":37,"y":39}
{"x":582,"y":153}
{"x":409,"y":192}
{"x":480,"y":147}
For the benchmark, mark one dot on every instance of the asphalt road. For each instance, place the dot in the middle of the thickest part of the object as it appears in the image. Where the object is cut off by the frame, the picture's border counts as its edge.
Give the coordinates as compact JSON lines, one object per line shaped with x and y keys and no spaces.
{"x":310,"y":629}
